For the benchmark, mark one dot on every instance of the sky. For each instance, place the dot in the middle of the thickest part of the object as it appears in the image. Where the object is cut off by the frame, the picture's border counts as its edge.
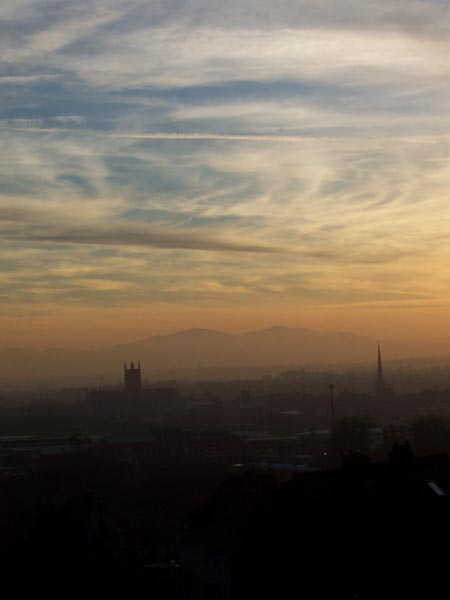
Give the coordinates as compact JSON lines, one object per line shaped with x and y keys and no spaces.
{"x":231,"y":165}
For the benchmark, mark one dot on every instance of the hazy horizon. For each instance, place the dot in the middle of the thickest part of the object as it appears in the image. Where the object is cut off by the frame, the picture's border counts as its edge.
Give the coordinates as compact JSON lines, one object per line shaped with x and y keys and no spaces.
{"x":412,"y":344}
{"x":204,"y":353}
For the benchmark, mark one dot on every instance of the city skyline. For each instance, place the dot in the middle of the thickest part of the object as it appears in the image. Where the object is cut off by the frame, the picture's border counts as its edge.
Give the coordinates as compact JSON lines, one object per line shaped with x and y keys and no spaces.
{"x":233,"y":167}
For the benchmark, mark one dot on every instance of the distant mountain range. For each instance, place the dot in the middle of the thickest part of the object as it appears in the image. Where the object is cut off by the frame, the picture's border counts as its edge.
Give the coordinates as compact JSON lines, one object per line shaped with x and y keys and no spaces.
{"x":206,"y":349}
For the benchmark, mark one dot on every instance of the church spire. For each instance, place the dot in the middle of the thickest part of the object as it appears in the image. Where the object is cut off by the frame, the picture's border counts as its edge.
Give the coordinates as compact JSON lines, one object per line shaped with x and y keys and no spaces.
{"x":380,"y":366}
{"x":382,"y":389}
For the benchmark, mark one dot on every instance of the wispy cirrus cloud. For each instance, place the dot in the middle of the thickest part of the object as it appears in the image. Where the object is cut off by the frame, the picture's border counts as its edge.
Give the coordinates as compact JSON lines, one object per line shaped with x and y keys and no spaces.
{"x":289,"y":154}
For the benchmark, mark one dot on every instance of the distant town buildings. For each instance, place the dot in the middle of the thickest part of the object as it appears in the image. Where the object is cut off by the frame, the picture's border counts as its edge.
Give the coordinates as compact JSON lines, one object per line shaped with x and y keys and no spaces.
{"x":137,"y":398}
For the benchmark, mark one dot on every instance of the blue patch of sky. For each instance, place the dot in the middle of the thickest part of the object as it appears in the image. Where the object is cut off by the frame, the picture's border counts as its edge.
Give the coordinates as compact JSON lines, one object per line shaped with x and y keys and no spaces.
{"x":18,"y":186}
{"x":78,"y":183}
{"x":143,"y":177}
{"x":45,"y":100}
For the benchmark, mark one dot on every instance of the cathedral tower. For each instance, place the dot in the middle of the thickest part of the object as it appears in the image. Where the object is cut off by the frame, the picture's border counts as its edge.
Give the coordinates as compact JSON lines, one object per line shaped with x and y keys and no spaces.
{"x":132,"y":378}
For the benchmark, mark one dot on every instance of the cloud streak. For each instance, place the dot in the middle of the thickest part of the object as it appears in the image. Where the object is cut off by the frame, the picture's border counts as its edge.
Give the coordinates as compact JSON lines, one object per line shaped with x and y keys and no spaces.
{"x":26,"y":225}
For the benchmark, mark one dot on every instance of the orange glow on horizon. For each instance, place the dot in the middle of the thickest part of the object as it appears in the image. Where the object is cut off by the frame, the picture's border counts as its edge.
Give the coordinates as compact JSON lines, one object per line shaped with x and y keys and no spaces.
{"x":87,"y":328}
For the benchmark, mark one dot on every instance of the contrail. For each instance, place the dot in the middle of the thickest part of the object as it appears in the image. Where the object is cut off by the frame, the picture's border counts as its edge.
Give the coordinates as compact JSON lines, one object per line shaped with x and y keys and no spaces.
{"x":219,"y":136}
{"x":252,"y":137}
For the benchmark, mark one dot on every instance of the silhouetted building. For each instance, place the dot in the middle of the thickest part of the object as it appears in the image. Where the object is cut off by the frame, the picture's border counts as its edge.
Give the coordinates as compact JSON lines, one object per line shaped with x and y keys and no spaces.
{"x":132,"y":378}
{"x":367,"y":531}
{"x":382,"y":389}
